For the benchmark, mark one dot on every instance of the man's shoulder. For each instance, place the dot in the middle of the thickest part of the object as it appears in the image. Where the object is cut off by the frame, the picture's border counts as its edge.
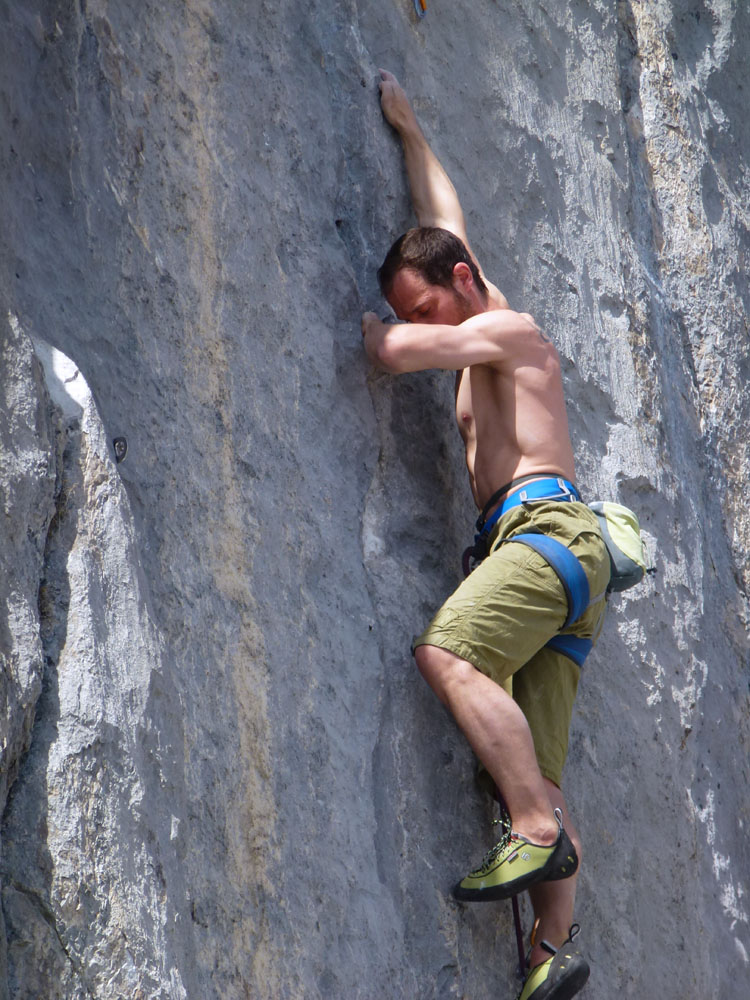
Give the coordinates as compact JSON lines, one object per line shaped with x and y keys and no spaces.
{"x":518,"y":338}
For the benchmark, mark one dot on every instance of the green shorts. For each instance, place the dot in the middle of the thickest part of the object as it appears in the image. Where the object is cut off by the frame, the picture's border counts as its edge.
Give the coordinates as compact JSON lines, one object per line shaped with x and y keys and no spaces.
{"x":501,"y":616}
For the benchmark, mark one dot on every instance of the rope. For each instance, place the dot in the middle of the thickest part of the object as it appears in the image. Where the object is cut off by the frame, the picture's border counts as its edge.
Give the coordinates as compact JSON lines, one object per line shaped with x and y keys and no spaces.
{"x":514,"y":904}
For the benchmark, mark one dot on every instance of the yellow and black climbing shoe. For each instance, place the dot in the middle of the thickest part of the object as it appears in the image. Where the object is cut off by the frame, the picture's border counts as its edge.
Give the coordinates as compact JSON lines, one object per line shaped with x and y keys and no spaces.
{"x":514,"y":864}
{"x":560,"y":977}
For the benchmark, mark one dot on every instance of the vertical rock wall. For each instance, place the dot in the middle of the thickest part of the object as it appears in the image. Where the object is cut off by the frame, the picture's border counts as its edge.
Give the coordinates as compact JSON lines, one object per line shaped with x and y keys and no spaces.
{"x":222,"y":776}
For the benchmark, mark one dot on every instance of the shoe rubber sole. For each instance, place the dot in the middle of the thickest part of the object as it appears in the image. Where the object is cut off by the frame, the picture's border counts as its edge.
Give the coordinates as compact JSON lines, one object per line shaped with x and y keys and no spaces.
{"x":564,"y":986}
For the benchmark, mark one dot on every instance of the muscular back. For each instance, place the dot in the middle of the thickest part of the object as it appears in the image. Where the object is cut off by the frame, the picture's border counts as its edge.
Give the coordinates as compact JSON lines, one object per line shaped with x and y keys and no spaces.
{"x":511,"y":415}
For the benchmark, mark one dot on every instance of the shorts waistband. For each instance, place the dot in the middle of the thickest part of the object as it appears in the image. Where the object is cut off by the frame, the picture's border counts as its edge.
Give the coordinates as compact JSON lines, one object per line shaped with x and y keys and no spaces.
{"x":545,"y":488}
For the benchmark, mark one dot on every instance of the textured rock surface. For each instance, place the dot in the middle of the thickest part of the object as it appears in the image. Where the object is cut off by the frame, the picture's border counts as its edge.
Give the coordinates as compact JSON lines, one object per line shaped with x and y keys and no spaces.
{"x":223,"y":777}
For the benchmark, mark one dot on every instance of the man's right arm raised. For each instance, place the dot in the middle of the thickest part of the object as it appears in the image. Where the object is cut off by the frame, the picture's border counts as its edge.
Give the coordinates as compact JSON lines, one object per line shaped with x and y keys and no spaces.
{"x":433,"y":195}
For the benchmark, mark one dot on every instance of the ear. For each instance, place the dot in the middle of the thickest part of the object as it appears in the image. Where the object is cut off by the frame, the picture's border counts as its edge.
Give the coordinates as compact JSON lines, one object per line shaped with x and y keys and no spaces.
{"x":462,"y":275}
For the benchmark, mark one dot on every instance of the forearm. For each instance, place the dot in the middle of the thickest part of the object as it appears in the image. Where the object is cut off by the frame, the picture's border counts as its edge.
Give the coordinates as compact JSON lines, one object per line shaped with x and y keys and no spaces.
{"x":433,"y":195}
{"x":410,"y":347}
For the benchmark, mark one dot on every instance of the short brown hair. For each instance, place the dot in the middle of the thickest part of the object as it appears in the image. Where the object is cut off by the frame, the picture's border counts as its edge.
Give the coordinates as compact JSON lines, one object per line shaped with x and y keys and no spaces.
{"x":431,"y":252}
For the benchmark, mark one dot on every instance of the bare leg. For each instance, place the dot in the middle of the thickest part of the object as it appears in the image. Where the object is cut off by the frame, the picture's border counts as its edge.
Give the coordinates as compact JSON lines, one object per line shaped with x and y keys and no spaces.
{"x":498,"y":733}
{"x":553,"y":901}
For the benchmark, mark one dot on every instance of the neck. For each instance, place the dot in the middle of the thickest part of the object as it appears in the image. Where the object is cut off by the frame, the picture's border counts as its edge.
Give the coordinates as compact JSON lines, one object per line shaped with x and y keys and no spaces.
{"x":486,"y":305}
{"x":494,"y":300}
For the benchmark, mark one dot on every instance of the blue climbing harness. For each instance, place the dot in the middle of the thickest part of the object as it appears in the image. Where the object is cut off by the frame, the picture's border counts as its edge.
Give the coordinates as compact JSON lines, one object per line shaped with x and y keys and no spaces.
{"x":575,"y":584}
{"x":566,"y":565}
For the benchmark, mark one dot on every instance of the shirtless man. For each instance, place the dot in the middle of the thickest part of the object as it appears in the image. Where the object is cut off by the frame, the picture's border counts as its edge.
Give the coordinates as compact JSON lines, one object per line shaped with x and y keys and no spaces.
{"x":486,"y":652}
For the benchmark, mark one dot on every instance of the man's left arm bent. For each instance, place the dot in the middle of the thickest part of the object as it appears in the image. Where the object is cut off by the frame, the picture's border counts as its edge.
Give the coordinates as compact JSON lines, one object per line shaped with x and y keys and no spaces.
{"x":410,"y":347}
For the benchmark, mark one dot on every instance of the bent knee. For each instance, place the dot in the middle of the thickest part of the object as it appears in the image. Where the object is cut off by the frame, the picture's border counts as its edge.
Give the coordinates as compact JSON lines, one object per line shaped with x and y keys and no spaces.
{"x":442,"y":669}
{"x":436,"y":660}
{"x":429,"y":663}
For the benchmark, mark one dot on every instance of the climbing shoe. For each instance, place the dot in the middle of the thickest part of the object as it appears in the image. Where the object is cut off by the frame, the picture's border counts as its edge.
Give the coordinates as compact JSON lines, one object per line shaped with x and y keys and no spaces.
{"x":560,"y":977}
{"x":514,"y":864}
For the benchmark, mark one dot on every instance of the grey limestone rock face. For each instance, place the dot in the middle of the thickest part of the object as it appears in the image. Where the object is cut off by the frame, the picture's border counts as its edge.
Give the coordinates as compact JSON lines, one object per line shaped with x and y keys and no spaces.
{"x":221,"y":774}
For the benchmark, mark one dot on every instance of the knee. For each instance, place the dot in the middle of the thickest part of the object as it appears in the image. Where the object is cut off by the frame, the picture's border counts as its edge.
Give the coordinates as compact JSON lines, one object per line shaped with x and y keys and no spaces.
{"x":428,"y":659}
{"x":424,"y":657}
{"x":441,"y":669}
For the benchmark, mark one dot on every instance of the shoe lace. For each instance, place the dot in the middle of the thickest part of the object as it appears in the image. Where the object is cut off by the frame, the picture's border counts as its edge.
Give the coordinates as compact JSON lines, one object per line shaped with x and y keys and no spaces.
{"x":491,"y":856}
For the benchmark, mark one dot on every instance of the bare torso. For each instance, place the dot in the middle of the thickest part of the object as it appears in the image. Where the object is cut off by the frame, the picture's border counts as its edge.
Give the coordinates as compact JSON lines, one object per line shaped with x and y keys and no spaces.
{"x":512,"y":417}
{"x":509,"y":396}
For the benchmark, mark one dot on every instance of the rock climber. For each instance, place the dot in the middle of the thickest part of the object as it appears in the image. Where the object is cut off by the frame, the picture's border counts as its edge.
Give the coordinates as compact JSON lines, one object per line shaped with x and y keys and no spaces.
{"x":502,"y":653}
